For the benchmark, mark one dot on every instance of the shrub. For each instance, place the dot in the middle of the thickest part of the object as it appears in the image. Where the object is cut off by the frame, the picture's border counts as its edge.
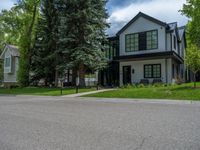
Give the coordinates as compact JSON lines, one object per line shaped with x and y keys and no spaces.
{"x":14,"y":86}
{"x":158,"y":85}
{"x":128,"y":86}
{"x":140,"y":85}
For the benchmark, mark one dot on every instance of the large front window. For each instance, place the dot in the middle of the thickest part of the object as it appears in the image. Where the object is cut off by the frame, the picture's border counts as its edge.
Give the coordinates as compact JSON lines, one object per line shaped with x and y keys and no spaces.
{"x":152,"y":71}
{"x":132,"y":42}
{"x":152,"y":39}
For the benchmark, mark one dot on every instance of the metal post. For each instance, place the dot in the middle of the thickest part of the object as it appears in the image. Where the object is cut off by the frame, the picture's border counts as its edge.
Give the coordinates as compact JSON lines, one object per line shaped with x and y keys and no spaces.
{"x":77,"y":82}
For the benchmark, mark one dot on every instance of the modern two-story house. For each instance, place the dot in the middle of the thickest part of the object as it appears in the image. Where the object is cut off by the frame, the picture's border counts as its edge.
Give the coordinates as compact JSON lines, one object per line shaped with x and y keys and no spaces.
{"x":145,"y":49}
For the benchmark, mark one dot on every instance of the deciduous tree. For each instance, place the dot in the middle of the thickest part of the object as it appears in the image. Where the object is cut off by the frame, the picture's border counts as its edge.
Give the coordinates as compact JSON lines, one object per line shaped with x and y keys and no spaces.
{"x":193,"y":60}
{"x":192,"y":10}
{"x":30,"y":9}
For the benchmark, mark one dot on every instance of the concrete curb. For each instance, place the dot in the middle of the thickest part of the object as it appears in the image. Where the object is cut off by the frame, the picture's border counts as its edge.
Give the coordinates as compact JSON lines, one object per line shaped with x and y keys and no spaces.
{"x":143,"y":101}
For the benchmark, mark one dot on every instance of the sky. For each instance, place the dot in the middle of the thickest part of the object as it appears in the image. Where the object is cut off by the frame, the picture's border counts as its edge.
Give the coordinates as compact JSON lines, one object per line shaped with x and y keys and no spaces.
{"x":122,"y":11}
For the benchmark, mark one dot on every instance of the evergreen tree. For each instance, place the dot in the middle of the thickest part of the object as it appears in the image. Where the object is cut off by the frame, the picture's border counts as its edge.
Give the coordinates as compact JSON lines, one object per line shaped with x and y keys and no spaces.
{"x":81,"y":34}
{"x":44,"y":60}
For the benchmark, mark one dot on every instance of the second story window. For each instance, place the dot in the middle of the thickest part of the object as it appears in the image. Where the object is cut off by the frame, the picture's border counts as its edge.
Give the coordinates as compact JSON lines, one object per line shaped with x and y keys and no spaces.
{"x":152,"y":39}
{"x":7,"y":62}
{"x":111,"y":48}
{"x":131,"y":42}
{"x":141,"y":41}
{"x":107,"y":51}
{"x":174,"y":42}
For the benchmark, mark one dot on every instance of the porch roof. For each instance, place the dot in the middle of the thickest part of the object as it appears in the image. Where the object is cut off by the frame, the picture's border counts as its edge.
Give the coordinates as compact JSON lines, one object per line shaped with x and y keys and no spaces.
{"x":158,"y":55}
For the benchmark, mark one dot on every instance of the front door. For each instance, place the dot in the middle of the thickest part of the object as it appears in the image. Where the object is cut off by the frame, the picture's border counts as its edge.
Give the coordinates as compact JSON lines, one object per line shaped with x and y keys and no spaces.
{"x":126,"y":75}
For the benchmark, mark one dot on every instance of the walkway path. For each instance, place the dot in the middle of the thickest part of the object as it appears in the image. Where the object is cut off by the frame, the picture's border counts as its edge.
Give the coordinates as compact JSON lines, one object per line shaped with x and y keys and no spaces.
{"x":87,"y":93}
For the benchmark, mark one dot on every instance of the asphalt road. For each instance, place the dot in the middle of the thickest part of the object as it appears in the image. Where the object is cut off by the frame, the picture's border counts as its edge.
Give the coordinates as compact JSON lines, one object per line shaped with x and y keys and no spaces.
{"x":57,"y":123}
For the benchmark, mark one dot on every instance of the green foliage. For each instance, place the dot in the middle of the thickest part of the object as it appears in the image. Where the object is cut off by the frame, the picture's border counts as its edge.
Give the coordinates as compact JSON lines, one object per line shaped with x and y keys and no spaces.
{"x":44,"y":58}
{"x":24,"y":66}
{"x":42,"y":91}
{"x":10,"y":26}
{"x":1,"y":71}
{"x":193,"y":59}
{"x":140,"y":85}
{"x":30,"y":13}
{"x":191,"y":9}
{"x":179,"y":92}
{"x":67,"y":35}
{"x":81,"y":34}
{"x":158,"y":85}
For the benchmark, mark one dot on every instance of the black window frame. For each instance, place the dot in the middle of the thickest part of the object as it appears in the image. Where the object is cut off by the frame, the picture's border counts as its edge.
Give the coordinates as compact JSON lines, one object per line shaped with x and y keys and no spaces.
{"x":151,"y":39}
{"x":151,"y":75}
{"x":142,"y":41}
{"x":111,"y":49}
{"x":132,"y":42}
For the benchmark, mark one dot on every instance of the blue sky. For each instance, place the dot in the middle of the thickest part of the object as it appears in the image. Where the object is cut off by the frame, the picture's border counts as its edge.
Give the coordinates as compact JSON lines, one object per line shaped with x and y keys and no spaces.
{"x":121,"y":11}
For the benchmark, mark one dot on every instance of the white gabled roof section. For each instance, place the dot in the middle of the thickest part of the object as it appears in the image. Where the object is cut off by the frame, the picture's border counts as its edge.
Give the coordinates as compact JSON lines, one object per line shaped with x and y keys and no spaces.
{"x":140,"y":14}
{"x":181,"y":31}
{"x":12,"y":49}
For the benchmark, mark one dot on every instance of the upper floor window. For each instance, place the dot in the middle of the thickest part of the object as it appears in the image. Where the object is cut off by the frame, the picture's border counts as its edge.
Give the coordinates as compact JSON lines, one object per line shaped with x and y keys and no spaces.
{"x":111,"y":49}
{"x":131,"y":42}
{"x":7,"y":62}
{"x":152,"y":39}
{"x":141,"y":41}
{"x":107,"y":51}
{"x":174,"y":42}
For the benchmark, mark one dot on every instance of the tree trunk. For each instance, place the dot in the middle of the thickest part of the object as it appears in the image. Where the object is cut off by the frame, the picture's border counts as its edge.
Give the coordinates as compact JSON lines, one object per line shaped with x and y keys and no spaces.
{"x":74,"y":75}
{"x":195,"y":80}
{"x":56,"y":77}
{"x":81,"y":75}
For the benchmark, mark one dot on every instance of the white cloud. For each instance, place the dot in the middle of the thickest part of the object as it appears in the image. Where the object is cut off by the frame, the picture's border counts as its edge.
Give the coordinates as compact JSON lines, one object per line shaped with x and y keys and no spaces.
{"x":164,"y":10}
{"x":6,"y":4}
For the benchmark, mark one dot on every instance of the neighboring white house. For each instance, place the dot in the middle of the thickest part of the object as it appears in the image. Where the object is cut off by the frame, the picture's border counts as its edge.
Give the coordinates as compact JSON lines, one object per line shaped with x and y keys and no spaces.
{"x":10,"y":57}
{"x":148,"y":49}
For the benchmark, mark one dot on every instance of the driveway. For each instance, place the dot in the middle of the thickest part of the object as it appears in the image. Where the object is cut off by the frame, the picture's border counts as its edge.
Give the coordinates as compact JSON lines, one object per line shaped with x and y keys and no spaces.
{"x":58,"y":123}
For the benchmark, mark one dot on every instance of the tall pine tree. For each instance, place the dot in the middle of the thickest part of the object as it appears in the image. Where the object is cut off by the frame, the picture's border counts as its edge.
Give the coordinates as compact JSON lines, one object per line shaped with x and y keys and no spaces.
{"x":81,"y":34}
{"x":44,"y":60}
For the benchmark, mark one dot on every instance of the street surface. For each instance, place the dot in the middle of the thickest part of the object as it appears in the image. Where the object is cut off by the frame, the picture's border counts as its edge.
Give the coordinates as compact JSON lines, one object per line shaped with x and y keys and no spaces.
{"x":60,"y":123}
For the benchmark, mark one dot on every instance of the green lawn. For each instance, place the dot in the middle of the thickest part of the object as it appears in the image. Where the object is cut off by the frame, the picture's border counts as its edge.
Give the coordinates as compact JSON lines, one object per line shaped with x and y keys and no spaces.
{"x":178,"y":92}
{"x":42,"y":91}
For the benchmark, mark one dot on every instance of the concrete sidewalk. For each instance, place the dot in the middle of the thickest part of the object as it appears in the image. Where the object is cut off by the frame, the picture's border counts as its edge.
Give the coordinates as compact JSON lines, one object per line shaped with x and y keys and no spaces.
{"x":87,"y":93}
